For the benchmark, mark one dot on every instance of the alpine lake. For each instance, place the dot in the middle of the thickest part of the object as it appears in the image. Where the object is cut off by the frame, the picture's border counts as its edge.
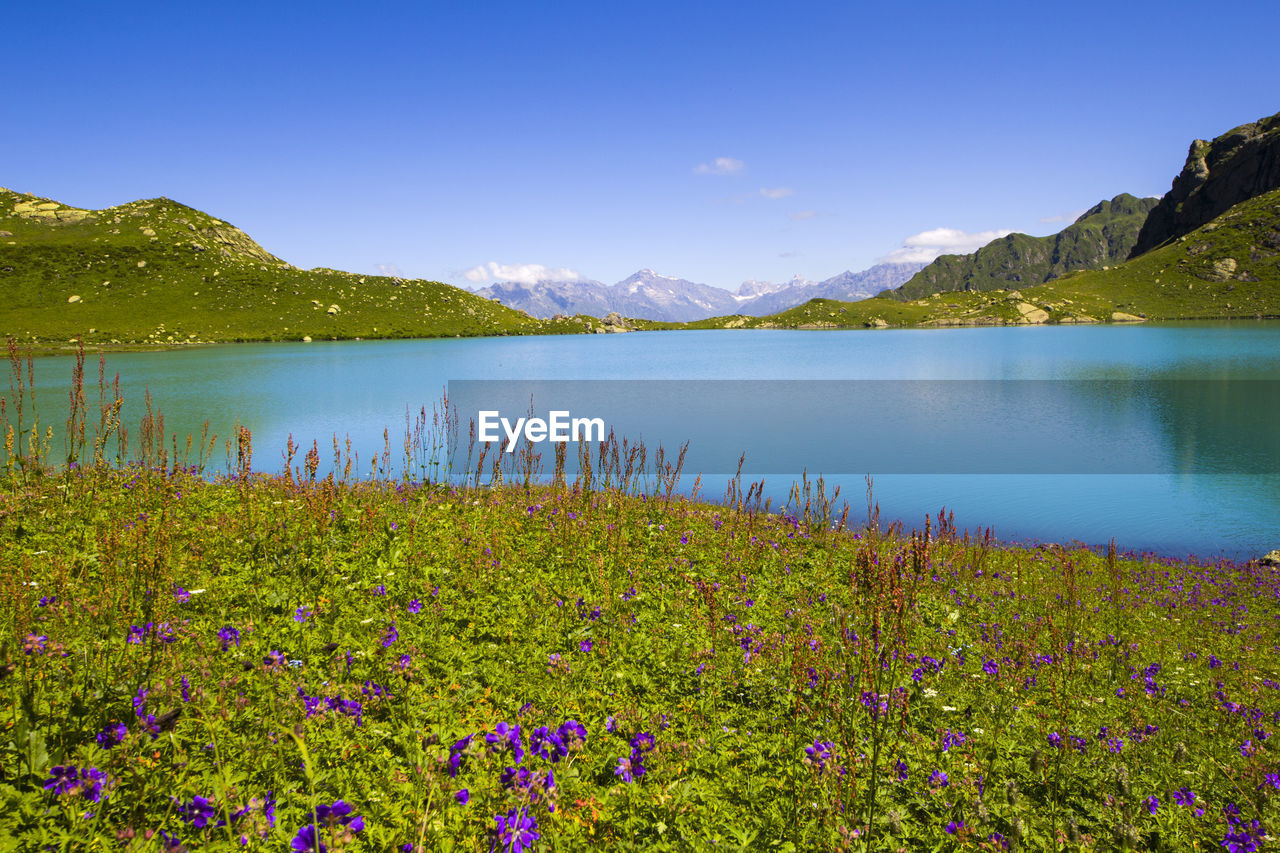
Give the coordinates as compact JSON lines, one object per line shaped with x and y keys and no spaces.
{"x":1163,"y":438}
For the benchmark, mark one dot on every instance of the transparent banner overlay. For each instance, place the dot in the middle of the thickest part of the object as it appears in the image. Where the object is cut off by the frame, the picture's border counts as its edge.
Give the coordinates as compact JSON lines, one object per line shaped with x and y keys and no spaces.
{"x":854,"y":427}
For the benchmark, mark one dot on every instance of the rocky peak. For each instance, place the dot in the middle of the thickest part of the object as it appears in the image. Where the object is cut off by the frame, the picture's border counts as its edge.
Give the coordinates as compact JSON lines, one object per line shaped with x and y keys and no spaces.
{"x":1239,"y":165}
{"x":1122,"y":205}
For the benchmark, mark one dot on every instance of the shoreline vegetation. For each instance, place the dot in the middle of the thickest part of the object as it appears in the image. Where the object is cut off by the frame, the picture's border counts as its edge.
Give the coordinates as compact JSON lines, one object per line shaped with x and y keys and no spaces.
{"x":251,"y":660}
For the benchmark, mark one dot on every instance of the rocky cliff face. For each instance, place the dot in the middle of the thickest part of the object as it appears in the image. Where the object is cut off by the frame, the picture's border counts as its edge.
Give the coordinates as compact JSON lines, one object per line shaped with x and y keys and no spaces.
{"x":1241,"y":164}
{"x":1103,"y":235}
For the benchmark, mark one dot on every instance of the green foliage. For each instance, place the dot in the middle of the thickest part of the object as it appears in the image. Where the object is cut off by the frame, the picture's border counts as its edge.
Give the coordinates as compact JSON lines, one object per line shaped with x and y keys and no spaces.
{"x":1102,"y":235}
{"x":290,"y":639}
{"x":159,"y":273}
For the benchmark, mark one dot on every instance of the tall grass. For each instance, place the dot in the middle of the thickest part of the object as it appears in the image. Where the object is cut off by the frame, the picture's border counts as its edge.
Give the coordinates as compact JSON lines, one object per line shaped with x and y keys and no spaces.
{"x":494,"y":658}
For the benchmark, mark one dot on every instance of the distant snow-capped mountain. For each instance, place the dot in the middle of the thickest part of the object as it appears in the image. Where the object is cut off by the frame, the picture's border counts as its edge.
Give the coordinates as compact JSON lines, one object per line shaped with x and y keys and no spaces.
{"x":649,"y":295}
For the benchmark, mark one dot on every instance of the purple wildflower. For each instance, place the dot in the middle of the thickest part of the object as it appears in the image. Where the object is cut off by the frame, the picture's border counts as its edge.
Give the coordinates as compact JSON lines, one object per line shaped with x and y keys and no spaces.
{"x":547,"y":744}
{"x":571,"y":732}
{"x":643,"y":742}
{"x":508,"y":736}
{"x":308,"y":841}
{"x":112,"y":735}
{"x":630,"y":767}
{"x":36,"y":644}
{"x":457,"y":755}
{"x":334,"y":816}
{"x":227,"y":637}
{"x":199,"y":813}
{"x":517,"y":830}
{"x":69,"y":779}
{"x":819,"y":754}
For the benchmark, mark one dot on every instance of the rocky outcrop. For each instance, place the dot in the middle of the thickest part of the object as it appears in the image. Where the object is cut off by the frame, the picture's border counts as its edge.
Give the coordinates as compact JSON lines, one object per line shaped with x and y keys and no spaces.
{"x":1239,"y":165}
{"x":1103,"y":235}
{"x":615,"y":322}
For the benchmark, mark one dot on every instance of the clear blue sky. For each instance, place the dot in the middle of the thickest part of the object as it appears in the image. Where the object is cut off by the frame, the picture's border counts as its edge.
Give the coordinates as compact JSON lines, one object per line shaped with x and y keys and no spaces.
{"x":707,"y":140}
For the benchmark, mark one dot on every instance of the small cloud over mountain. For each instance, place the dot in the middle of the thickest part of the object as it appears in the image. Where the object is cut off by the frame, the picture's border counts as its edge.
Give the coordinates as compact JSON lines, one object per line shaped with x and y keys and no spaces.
{"x":927,"y":245}
{"x":521,"y":273}
{"x":720,"y":166}
{"x":1062,"y":217}
{"x":388,"y":270}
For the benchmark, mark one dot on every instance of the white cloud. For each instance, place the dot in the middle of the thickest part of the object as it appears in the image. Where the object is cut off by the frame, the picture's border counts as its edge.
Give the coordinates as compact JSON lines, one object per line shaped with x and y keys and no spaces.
{"x":927,"y":245}
{"x":1062,"y":217}
{"x":389,"y":270}
{"x":720,"y":166}
{"x":776,"y":192}
{"x":518,"y":273}
{"x":802,"y":214}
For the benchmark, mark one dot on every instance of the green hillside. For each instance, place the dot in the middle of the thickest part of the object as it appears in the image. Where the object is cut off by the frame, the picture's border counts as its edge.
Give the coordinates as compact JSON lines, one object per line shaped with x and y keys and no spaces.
{"x":1227,"y":268}
{"x":1103,"y":235}
{"x":157,"y":272}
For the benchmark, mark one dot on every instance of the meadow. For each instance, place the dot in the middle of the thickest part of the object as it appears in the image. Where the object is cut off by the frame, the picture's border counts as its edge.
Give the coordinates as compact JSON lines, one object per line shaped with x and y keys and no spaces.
{"x":213,"y":646}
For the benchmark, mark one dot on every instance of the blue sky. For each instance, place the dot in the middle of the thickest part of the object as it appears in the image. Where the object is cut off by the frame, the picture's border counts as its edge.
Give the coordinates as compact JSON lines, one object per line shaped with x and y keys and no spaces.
{"x":712,"y":141}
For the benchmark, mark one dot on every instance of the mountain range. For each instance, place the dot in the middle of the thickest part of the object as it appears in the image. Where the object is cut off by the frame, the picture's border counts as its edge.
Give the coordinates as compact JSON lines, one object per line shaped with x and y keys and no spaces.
{"x":676,"y":300}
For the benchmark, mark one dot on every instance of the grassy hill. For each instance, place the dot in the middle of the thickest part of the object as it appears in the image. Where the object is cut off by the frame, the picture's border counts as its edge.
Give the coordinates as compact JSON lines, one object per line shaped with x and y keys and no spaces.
{"x":156,"y":272}
{"x":1230,"y":267}
{"x":1101,"y":236}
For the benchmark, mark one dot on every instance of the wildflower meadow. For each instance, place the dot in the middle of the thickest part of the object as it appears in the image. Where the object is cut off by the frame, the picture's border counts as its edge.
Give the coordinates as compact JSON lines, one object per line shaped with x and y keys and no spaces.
{"x":260,"y":659}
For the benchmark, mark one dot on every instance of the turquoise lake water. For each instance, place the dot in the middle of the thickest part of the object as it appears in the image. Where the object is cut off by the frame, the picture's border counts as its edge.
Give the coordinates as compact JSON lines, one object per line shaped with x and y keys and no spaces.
{"x":1215,"y":489}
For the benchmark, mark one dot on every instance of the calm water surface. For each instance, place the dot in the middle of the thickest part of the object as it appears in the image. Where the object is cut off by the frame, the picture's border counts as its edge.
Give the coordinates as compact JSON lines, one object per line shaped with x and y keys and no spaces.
{"x":358,"y":388}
